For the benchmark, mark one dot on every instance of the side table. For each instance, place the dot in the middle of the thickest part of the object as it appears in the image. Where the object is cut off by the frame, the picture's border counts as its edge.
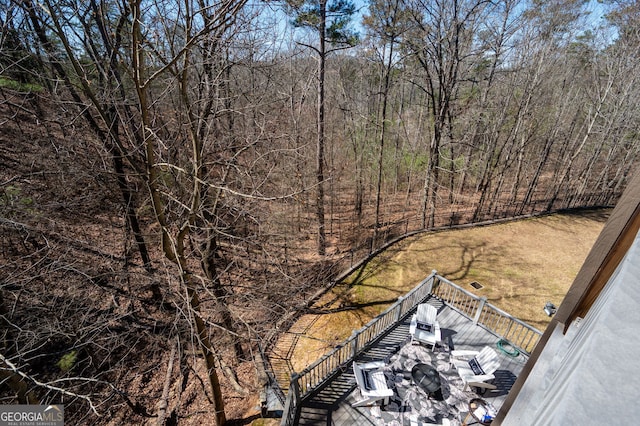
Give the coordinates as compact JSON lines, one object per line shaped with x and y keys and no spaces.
{"x":481,"y":411}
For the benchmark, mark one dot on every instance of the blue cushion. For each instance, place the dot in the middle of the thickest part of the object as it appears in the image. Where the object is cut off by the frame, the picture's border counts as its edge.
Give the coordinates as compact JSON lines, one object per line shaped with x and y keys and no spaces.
{"x":425,"y":327}
{"x":475,"y":367}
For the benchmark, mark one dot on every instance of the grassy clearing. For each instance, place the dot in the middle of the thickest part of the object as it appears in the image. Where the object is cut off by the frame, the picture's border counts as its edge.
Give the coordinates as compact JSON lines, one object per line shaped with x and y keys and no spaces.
{"x":521,"y":264}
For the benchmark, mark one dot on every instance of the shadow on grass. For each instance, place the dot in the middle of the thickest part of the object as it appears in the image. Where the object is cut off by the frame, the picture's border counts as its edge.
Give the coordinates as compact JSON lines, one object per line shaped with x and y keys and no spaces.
{"x":352,"y":307}
{"x":469,"y":254}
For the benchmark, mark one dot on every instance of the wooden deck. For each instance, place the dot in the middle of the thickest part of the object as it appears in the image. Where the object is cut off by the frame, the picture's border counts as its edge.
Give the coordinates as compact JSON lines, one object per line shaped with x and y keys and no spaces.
{"x":331,"y":403}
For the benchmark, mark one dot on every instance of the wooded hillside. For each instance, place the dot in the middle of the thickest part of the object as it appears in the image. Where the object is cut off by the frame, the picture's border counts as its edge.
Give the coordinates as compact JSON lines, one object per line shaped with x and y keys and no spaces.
{"x":179,"y":179}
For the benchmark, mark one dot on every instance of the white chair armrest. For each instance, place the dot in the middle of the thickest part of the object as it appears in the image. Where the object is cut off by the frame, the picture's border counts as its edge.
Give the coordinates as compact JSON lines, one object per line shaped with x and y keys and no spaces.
{"x":413,"y":324}
{"x":445,"y":422}
{"x":372,"y":365}
{"x":380,"y":392}
{"x":463,"y":353}
{"x":460,"y":364}
{"x":485,"y":377}
{"x":482,"y":385}
{"x":471,"y":378}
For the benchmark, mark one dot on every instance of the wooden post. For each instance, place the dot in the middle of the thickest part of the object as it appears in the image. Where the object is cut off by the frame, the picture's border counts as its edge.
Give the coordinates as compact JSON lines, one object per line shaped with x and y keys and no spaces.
{"x":292,"y":405}
{"x":354,"y":343}
{"x":434,"y":280}
{"x":400,"y":309}
{"x":482,"y":301}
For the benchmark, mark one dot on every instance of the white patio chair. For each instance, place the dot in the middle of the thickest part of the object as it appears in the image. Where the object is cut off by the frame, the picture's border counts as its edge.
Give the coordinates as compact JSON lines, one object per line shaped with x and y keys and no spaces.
{"x":424,"y":327}
{"x":372,"y":383}
{"x":445,"y":422}
{"x":476,"y":368}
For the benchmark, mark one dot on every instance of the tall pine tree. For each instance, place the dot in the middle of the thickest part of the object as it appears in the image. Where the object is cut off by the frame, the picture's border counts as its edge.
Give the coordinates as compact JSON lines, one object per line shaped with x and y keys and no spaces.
{"x":330,"y":20}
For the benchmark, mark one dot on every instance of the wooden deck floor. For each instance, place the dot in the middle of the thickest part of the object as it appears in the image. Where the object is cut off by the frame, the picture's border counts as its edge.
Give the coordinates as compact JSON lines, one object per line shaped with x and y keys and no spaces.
{"x":331,"y":405}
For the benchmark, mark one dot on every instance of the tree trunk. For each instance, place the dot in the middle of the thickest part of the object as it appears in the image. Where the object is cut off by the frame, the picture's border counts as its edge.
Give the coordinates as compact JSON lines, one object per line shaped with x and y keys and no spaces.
{"x":383,"y":131}
{"x":105,"y":136}
{"x":173,"y":249}
{"x":322,"y":240}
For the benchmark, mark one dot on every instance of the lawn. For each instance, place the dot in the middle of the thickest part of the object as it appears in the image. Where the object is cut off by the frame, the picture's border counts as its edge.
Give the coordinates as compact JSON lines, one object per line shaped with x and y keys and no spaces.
{"x":520,"y":264}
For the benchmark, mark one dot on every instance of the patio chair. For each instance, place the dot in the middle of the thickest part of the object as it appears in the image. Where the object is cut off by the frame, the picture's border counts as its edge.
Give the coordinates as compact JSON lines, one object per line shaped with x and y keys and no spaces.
{"x":476,"y":368}
{"x":424,"y":327}
{"x":372,"y":383}
{"x":445,"y":422}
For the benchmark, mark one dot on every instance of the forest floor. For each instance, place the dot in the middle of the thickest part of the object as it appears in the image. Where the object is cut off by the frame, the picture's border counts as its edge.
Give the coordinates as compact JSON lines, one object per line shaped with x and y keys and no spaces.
{"x":73,"y":282}
{"x":521,"y":265}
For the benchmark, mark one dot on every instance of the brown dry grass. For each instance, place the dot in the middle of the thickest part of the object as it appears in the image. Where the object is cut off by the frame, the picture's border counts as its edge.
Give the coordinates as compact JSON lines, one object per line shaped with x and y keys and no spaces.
{"x":521,"y":264}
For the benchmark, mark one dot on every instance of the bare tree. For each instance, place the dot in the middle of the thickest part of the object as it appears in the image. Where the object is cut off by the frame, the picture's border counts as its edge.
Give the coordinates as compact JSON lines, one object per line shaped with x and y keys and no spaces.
{"x":177,"y":182}
{"x":330,"y":21}
{"x":386,"y":22}
{"x":442,"y":37}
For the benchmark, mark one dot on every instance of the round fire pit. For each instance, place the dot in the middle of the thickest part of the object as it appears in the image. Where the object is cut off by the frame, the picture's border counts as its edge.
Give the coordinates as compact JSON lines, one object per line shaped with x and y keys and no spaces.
{"x":426,"y":377}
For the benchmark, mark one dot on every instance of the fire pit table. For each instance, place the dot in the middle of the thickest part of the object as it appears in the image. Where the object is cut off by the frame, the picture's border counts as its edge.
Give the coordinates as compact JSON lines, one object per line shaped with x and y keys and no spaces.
{"x":427,"y":378}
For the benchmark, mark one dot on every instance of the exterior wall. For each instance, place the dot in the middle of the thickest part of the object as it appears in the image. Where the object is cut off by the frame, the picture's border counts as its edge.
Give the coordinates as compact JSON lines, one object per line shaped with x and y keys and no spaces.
{"x":590,"y":374}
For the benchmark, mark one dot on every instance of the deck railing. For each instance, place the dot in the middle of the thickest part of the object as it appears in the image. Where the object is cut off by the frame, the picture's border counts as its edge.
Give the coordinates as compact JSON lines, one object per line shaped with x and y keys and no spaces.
{"x":518,"y":333}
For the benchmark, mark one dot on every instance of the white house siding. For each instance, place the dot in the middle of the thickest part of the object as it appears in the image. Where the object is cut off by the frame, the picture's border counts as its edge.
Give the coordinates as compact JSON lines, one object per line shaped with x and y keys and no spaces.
{"x":591,"y":374}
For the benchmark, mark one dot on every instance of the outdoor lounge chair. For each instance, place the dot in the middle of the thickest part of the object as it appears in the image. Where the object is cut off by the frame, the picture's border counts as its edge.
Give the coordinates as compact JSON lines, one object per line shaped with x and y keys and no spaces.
{"x":476,"y":368}
{"x":445,"y":422}
{"x":424,"y":327}
{"x":372,"y":383}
